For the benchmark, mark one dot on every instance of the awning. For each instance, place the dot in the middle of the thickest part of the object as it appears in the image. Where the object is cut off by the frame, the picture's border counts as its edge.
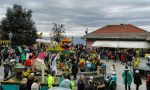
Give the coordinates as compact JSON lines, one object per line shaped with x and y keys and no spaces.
{"x":42,"y":40}
{"x":122,"y":44}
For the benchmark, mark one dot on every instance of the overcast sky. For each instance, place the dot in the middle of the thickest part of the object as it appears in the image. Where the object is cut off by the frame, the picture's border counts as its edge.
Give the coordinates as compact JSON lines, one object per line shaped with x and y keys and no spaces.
{"x":77,"y":15}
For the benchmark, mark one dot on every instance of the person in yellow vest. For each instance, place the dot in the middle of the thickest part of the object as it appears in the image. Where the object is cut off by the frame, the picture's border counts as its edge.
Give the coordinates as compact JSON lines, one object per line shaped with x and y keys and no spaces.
{"x":72,"y":84}
{"x":50,"y":80}
{"x":25,"y":73}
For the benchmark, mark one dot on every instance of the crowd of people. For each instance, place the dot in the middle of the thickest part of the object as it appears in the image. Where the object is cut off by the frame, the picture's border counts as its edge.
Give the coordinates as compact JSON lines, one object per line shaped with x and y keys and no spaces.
{"x":69,"y":63}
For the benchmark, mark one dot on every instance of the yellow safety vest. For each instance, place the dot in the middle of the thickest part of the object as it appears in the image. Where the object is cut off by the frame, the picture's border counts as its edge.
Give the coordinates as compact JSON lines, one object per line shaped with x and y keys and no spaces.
{"x":50,"y":81}
{"x":72,"y":84}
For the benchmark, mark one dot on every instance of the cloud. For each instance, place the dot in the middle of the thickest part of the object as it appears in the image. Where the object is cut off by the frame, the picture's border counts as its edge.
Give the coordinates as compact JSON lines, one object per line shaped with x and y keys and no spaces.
{"x":77,"y":15}
{"x":2,"y":13}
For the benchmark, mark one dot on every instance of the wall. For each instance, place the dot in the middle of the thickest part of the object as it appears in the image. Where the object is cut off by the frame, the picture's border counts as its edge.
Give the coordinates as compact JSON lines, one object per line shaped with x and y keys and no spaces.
{"x":89,"y":43}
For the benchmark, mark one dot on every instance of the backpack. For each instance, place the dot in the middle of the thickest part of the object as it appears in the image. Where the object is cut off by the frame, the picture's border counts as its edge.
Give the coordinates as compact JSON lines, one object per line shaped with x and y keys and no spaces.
{"x":148,"y":78}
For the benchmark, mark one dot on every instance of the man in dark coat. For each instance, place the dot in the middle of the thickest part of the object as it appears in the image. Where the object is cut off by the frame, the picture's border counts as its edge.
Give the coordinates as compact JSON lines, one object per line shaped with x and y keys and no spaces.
{"x":23,"y":84}
{"x":30,"y":81}
{"x":75,"y":69}
{"x":5,"y":53}
{"x":90,"y":86}
{"x":6,"y":68}
{"x":137,"y":79}
{"x":81,"y":84}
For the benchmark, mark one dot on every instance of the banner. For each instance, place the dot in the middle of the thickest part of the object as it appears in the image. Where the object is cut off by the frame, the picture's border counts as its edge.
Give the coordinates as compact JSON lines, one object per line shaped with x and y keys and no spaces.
{"x":5,"y":42}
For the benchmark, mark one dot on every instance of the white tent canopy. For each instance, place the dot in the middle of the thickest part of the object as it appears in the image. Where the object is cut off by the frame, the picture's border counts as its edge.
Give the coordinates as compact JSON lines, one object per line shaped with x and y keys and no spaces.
{"x":42,"y":40}
{"x":122,"y":44}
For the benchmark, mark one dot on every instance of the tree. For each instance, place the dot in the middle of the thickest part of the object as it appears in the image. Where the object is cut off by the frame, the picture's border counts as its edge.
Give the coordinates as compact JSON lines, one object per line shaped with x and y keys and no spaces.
{"x":58,"y":30}
{"x":19,"y":22}
{"x":3,"y":34}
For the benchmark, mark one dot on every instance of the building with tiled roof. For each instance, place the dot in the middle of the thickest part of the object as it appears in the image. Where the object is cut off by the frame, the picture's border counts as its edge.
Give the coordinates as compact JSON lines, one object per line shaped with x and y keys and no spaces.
{"x":118,"y":36}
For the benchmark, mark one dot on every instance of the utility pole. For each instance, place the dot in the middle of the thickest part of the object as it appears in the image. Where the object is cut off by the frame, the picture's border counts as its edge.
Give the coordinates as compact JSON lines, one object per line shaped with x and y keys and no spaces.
{"x":86,"y":32}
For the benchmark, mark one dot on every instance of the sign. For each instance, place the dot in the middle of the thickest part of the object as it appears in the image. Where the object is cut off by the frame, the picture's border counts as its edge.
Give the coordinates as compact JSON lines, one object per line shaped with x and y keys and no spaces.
{"x":5,"y":42}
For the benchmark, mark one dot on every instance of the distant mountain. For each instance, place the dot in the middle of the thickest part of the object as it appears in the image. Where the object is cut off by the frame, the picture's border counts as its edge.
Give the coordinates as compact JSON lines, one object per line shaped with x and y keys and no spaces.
{"x":76,"y":40}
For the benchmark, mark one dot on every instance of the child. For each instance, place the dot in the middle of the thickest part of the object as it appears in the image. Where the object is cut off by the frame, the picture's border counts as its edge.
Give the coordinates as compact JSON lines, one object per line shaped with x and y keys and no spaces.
{"x":113,"y":69}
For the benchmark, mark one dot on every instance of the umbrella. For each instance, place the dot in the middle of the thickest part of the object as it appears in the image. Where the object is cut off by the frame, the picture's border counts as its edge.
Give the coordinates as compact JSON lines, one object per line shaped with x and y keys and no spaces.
{"x":60,"y":88}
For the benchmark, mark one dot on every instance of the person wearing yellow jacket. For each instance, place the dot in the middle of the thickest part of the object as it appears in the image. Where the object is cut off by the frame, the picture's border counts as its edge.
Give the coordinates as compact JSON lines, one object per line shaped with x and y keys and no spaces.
{"x":50,"y":80}
{"x":72,"y":84}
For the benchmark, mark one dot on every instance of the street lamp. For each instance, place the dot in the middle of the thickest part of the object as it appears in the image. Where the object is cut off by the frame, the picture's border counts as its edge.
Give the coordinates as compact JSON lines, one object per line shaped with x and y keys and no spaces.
{"x":41,"y":34}
{"x":86,"y":32}
{"x":10,"y":37}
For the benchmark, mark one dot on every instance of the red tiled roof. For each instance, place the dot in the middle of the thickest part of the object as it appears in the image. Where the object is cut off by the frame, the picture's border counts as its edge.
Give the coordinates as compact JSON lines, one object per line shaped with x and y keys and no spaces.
{"x":122,"y":28}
